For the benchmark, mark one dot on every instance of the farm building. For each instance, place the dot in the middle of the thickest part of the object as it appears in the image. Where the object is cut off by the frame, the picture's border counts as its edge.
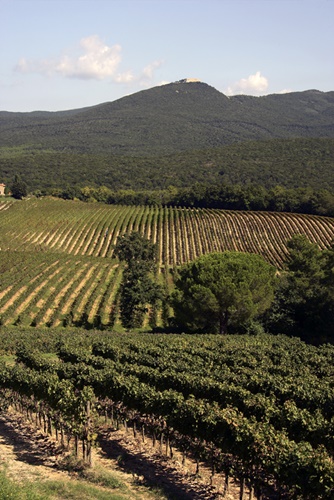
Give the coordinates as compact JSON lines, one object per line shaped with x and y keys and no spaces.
{"x":2,"y":189}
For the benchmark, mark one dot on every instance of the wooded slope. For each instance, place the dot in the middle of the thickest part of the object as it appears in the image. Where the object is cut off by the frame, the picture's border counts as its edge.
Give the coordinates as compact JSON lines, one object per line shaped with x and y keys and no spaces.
{"x":176,"y":134}
{"x":175,"y":117}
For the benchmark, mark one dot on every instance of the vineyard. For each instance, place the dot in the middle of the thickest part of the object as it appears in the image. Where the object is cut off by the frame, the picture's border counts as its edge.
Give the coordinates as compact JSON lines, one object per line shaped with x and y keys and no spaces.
{"x":258,"y":410}
{"x":56,"y":256}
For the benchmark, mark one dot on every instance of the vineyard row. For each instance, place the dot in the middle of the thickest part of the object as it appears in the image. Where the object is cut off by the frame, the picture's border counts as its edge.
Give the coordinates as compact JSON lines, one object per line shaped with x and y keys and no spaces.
{"x":254,"y":448}
{"x":180,"y":234}
{"x":56,"y":257}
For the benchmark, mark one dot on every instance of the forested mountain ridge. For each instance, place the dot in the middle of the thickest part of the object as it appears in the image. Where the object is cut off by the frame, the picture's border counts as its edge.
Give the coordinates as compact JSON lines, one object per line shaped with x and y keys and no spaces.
{"x":177,"y":134}
{"x":171,"y":118}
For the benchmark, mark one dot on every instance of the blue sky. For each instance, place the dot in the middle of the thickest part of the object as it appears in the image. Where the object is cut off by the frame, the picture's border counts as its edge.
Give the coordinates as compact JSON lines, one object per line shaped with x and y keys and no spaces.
{"x":64,"y":54}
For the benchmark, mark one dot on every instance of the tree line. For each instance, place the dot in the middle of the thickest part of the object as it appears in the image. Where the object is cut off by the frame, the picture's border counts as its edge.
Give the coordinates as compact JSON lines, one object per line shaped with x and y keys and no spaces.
{"x":224,"y":196}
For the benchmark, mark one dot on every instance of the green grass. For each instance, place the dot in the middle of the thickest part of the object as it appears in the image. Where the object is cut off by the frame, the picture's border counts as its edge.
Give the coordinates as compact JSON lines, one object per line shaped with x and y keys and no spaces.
{"x":7,"y":359}
{"x":96,"y":484}
{"x":102,"y":477}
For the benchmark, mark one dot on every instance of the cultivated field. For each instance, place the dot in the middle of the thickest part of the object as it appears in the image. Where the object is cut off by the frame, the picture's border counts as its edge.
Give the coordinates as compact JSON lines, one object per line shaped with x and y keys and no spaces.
{"x":56,"y":256}
{"x":255,"y":410}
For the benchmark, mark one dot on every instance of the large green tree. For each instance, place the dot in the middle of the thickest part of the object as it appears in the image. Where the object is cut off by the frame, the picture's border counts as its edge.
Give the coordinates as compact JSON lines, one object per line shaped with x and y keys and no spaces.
{"x":220,"y":290}
{"x":138,"y":289}
{"x":304,"y":301}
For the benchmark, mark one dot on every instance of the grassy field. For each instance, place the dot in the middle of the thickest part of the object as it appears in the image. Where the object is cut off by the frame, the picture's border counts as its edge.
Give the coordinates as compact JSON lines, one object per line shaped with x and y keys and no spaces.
{"x":108,"y":487}
{"x":56,"y":256}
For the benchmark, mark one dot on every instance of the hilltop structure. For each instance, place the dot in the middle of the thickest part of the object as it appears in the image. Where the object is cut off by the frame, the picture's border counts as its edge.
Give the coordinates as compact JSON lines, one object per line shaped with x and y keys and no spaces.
{"x":189,"y":80}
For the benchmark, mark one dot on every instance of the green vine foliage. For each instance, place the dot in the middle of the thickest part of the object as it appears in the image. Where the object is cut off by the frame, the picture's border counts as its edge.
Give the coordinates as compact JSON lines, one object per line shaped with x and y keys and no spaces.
{"x":258,"y":408}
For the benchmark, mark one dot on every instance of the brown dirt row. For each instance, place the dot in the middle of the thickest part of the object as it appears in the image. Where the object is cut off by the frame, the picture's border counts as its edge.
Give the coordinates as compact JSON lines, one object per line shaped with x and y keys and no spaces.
{"x":28,"y":454}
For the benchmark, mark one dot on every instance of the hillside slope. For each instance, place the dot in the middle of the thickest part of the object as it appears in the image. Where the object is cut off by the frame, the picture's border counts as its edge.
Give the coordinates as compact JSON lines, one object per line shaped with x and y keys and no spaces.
{"x":171,"y":118}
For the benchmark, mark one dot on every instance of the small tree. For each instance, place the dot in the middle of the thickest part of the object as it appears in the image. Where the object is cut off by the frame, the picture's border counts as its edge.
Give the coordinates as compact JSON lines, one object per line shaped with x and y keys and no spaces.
{"x":219,"y":290}
{"x":134,"y":249}
{"x":18,"y":188}
{"x":137,"y":290}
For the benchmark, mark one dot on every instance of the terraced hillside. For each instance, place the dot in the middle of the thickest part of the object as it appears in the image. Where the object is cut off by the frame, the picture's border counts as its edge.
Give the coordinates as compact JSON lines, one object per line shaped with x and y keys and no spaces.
{"x":56,"y":256}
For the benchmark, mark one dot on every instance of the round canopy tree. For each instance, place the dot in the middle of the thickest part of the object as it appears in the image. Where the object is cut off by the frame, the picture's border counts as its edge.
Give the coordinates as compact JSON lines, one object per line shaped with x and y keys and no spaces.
{"x":222,"y":289}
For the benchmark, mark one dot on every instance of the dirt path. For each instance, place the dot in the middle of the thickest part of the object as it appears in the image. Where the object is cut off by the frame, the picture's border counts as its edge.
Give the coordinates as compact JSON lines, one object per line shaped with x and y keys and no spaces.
{"x":150,"y":466}
{"x":26,"y":452}
{"x":29,"y":454}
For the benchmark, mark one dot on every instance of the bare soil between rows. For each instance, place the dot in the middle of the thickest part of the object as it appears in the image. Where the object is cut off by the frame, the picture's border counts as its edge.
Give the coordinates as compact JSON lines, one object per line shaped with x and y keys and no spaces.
{"x":28,"y":455}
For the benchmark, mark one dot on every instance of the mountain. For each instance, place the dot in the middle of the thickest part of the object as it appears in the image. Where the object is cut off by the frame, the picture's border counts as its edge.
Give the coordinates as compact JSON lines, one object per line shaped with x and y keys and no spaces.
{"x":180,"y":133}
{"x":177,"y":117}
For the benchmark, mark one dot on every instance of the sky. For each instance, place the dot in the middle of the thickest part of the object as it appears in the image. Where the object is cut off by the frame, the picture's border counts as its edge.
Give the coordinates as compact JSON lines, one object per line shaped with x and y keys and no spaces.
{"x":67,"y":54}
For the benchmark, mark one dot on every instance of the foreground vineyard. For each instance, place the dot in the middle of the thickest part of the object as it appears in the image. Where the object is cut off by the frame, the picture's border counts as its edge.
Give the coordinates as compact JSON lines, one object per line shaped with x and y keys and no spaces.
{"x":56,"y":257}
{"x":258,"y":409}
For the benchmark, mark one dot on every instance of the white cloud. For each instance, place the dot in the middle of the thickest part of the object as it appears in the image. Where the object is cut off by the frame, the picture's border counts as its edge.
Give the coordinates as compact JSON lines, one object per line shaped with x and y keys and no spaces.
{"x":149,"y":70}
{"x":22,"y":66}
{"x":147,"y":73}
{"x":95,"y":60}
{"x":285,"y":91}
{"x":25,"y":66}
{"x":252,"y":85}
{"x":126,"y":77}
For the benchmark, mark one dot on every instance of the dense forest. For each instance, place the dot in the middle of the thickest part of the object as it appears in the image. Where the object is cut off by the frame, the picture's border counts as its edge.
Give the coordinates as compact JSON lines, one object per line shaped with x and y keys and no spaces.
{"x":293,"y":163}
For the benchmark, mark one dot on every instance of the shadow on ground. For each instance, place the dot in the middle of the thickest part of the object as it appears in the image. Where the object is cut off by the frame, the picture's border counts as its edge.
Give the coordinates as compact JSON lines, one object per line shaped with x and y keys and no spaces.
{"x":153,"y":470}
